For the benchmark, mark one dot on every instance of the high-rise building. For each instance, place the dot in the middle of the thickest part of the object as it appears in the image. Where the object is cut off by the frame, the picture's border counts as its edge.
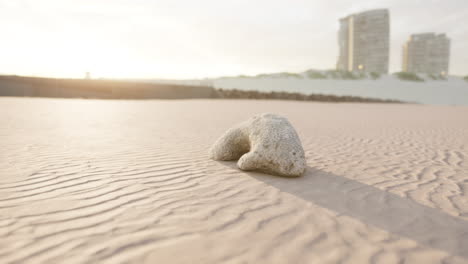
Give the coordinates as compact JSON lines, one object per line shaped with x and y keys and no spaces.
{"x":427,"y":53}
{"x":363,"y":41}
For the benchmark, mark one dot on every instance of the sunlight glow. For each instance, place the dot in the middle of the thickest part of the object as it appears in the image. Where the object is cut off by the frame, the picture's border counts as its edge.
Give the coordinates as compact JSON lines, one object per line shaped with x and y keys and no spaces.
{"x":194,"y":39}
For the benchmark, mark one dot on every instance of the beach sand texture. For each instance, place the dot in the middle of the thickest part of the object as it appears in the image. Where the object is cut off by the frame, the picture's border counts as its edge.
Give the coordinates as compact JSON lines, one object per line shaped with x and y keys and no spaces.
{"x":90,"y":181}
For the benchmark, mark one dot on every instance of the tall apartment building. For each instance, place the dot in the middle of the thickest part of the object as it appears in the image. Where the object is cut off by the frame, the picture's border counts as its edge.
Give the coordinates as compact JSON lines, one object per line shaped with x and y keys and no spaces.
{"x":427,"y":53}
{"x":364,"y":41}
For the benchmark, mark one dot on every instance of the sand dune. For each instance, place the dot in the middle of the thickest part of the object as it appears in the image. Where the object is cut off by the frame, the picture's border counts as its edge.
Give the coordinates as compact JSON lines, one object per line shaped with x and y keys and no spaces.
{"x":89,"y":181}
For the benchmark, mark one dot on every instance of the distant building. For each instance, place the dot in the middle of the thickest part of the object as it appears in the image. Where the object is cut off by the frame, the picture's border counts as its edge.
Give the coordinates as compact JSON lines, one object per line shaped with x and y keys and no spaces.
{"x":88,"y":76}
{"x":427,"y":53}
{"x":364,"y":41}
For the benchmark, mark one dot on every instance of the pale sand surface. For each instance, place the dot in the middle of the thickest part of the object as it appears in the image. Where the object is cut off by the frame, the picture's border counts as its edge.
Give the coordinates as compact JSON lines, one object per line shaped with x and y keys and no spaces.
{"x":88,"y":181}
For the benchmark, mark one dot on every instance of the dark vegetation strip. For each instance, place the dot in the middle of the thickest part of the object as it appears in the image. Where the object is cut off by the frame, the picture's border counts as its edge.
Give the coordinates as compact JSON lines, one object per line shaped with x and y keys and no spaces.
{"x":107,"y":89}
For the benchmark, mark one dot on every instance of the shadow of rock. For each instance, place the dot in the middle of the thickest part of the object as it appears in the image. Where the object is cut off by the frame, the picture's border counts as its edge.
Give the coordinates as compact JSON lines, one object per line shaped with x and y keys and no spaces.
{"x":373,"y":206}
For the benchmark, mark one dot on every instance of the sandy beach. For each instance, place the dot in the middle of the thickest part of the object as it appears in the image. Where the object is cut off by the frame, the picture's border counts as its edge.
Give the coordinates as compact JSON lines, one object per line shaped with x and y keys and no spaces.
{"x":93,"y":181}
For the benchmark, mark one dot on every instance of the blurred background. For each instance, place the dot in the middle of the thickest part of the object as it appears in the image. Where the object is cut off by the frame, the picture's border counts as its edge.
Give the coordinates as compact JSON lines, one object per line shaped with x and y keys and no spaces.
{"x":293,"y":46}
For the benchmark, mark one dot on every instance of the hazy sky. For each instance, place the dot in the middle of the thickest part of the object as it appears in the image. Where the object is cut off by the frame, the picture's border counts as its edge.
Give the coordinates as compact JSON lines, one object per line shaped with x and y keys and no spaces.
{"x":204,"y":38}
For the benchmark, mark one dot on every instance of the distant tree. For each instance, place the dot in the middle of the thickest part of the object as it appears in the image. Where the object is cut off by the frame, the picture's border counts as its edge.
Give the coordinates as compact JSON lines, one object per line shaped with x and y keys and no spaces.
{"x":466,"y":78}
{"x":408,"y":76}
{"x":361,"y":75}
{"x":333,"y":74}
{"x":291,"y":74}
{"x":375,"y":75}
{"x":262,"y":75}
{"x":315,"y":75}
{"x":243,"y":76}
{"x":346,"y":75}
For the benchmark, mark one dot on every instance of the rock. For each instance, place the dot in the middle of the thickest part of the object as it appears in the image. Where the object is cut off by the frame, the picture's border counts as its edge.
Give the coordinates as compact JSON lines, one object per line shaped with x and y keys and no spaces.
{"x":265,"y":142}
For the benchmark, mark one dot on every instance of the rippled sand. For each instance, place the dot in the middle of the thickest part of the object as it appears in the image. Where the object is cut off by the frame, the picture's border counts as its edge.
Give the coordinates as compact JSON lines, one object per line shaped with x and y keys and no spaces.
{"x":85,"y":181}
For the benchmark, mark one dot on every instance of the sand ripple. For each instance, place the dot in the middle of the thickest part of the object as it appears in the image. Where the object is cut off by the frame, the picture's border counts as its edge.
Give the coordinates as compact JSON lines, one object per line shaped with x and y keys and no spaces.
{"x":85,"y":181}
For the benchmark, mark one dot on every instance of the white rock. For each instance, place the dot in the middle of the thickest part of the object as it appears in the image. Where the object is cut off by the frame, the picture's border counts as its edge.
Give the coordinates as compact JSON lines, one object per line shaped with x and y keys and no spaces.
{"x":265,"y":142}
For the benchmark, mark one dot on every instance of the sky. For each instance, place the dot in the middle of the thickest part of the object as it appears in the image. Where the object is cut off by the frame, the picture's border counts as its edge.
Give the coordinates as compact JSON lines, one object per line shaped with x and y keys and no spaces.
{"x":182,"y":39}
